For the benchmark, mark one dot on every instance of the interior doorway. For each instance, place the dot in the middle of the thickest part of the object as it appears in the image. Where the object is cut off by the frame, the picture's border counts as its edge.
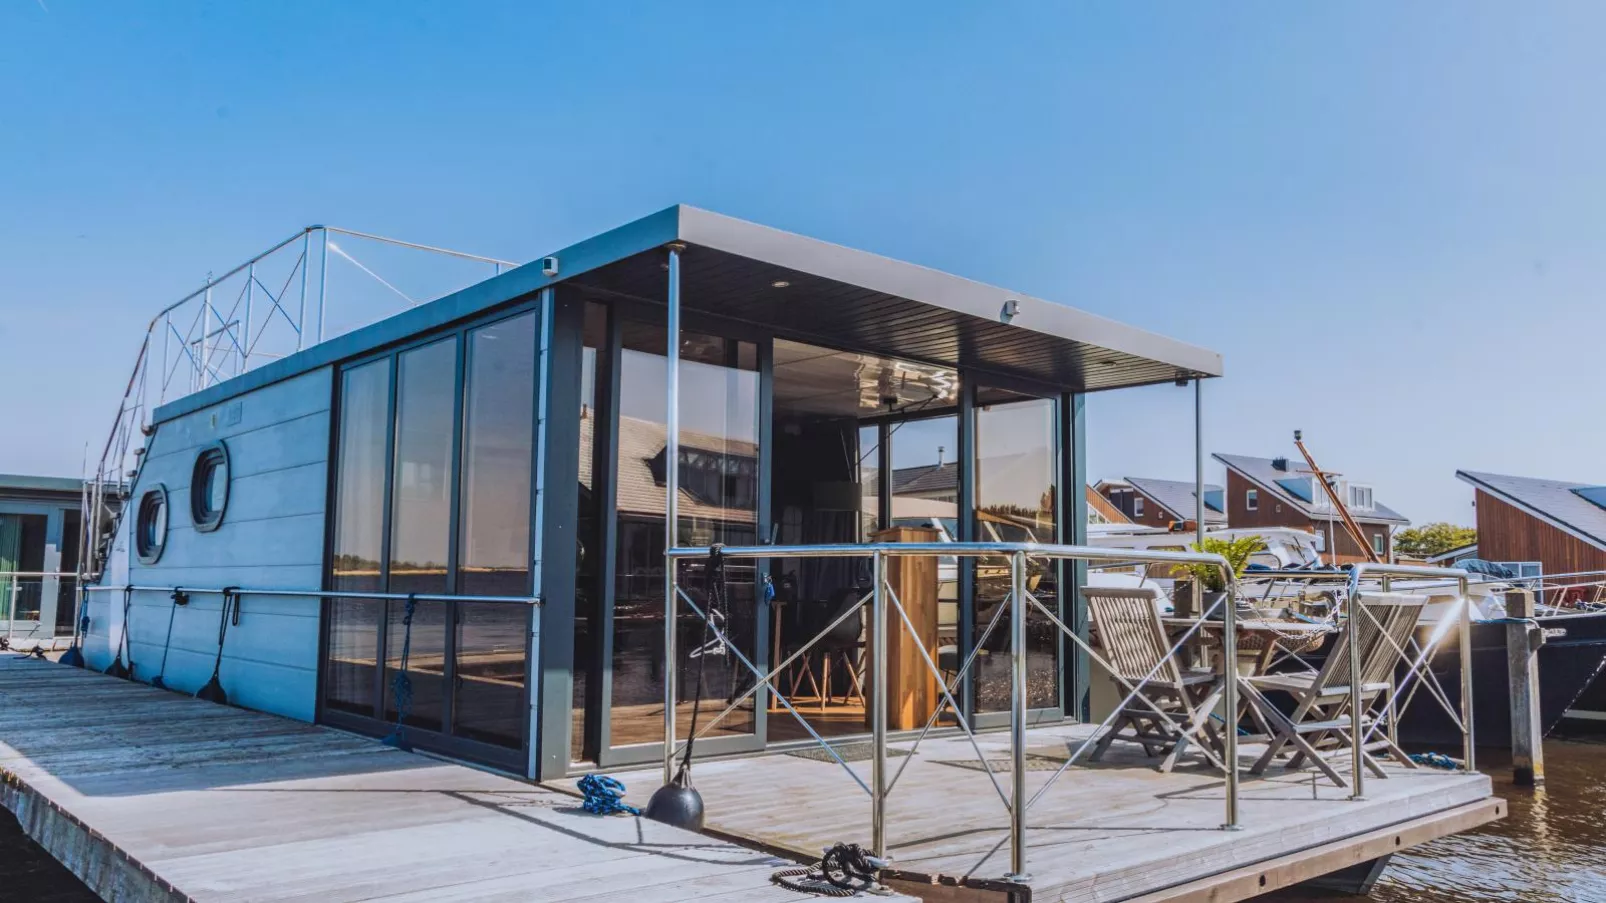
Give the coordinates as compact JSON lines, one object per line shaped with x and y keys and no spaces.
{"x":860,"y":444}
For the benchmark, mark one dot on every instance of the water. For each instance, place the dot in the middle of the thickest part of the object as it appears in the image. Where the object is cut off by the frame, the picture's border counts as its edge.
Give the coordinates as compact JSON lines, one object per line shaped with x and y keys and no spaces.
{"x":1551,"y":848}
{"x":27,"y":872}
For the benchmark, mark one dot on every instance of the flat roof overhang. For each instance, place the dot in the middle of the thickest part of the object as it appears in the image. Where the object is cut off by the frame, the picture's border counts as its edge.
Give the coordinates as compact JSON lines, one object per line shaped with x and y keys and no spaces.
{"x":852,"y":299}
{"x":837,"y":296}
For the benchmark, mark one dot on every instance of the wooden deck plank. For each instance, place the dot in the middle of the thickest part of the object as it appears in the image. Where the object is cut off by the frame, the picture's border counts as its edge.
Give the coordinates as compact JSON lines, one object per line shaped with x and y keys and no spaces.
{"x":1103,"y":833}
{"x":229,"y":805}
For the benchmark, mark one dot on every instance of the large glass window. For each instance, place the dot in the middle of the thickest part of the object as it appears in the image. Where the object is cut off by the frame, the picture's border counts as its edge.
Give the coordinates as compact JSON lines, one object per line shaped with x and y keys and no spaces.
{"x":433,"y":485}
{"x":588,"y":528}
{"x":494,"y":530}
{"x":420,"y":528}
{"x":1016,"y":496}
{"x":353,"y":656}
{"x":718,"y":469}
{"x":360,"y":476}
{"x":421,"y":494}
{"x":498,"y":436}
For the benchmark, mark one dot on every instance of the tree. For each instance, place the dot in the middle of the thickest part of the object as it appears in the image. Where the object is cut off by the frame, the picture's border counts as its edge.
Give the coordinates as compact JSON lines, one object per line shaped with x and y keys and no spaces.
{"x":1431,"y":539}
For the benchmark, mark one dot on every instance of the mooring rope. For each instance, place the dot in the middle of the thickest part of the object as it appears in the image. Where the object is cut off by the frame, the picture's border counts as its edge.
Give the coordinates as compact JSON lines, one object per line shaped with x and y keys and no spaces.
{"x":715,"y":591}
{"x":605,"y":796}
{"x":179,"y":598}
{"x":844,"y":871}
{"x":401,"y":686}
{"x":213,"y":691}
{"x":1434,"y":760}
{"x":117,"y":668}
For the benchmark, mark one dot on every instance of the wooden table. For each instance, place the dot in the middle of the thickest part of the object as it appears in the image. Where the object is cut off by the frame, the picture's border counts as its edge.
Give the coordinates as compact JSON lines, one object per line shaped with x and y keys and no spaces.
{"x":1261,"y":637}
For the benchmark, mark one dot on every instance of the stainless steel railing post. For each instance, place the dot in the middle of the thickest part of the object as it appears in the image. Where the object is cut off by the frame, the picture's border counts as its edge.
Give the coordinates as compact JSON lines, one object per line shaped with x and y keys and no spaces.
{"x":1229,"y":694}
{"x":1467,"y":746}
{"x":1017,"y":717}
{"x":1357,"y":748}
{"x":671,"y":503}
{"x":878,"y":705}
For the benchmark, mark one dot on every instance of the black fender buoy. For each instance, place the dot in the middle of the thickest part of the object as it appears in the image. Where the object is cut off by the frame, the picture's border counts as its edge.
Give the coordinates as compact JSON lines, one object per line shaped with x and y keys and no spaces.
{"x":677,"y":804}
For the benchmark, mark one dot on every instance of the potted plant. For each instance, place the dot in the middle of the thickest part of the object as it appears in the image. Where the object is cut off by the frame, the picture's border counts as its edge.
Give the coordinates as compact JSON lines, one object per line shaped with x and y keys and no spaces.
{"x":1213,"y":587}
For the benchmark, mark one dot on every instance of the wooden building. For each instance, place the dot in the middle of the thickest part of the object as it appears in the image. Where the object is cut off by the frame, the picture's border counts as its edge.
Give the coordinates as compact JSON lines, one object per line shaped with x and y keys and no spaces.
{"x":1273,"y":492}
{"x":1537,"y":526}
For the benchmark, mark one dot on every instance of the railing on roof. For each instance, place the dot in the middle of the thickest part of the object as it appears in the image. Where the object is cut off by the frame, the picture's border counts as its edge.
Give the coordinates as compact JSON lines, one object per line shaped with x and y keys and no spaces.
{"x":272,"y":305}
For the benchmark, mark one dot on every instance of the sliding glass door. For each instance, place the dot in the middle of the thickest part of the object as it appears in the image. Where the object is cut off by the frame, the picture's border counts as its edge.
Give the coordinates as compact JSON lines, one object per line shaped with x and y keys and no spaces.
{"x":433,"y":463}
{"x":718,"y":503}
{"x":1016,"y":498}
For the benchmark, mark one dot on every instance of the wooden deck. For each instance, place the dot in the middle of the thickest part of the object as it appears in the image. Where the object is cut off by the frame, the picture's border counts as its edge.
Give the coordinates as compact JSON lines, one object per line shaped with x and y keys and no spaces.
{"x":150,"y":795}
{"x":1119,"y":830}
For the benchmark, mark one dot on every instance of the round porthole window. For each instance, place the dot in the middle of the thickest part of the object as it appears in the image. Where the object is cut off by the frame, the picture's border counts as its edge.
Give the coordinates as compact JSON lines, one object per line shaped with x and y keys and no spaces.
{"x":150,"y":525}
{"x":209,"y":487}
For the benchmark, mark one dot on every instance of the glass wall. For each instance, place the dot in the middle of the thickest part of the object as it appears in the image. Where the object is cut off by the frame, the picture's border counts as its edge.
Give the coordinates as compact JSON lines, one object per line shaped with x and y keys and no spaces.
{"x":494,"y":530}
{"x":420,"y":526}
{"x":588,"y":590}
{"x":718,"y":471}
{"x":433,"y":483}
{"x":1016,"y":499}
{"x":358,"y":540}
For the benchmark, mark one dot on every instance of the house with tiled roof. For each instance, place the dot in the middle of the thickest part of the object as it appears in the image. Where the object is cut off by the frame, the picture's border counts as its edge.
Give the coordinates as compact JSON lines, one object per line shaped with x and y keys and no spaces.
{"x":1524,"y":522}
{"x":1274,"y":492}
{"x":1163,"y":503}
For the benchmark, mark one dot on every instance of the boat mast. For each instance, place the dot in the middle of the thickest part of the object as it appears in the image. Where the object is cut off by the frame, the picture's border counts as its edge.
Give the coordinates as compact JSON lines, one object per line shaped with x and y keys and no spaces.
{"x":1350,"y":525}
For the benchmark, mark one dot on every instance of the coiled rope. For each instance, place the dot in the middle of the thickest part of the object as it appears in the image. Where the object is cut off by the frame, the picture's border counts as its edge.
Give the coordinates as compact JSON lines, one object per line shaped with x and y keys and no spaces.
{"x":844,"y":871}
{"x":1434,"y":760}
{"x":605,"y":796}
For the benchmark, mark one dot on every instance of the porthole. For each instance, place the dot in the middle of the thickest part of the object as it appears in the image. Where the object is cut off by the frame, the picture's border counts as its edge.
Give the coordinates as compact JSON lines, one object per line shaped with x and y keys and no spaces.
{"x":209,"y":487}
{"x":150,"y":525}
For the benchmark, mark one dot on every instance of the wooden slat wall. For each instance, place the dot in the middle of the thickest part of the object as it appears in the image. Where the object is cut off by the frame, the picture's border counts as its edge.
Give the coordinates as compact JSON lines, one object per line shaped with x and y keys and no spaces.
{"x":1507,"y":533}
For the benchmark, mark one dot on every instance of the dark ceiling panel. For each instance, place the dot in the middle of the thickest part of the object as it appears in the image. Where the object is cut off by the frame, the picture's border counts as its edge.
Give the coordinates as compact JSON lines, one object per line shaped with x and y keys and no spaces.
{"x":833,"y":313}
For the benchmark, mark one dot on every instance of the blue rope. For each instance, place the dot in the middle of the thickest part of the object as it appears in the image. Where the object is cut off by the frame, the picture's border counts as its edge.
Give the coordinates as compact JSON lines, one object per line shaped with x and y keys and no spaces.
{"x":604,"y":796}
{"x":1241,"y":731}
{"x":401,"y":686}
{"x":1434,"y":760}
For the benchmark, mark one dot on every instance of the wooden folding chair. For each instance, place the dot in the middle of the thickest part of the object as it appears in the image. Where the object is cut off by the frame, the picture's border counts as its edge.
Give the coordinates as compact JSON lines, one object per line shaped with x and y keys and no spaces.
{"x":1175,"y":706}
{"x":1321,"y":725}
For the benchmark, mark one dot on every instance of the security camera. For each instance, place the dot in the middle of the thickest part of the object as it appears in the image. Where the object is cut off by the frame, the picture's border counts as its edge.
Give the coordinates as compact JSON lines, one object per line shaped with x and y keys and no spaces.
{"x":549,"y":266}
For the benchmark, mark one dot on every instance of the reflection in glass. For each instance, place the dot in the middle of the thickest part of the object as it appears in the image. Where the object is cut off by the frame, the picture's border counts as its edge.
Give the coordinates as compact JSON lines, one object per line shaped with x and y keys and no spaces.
{"x":426,"y":662}
{"x":360,"y":476}
{"x":869,"y":482}
{"x":490,"y":706}
{"x":1016,"y":499}
{"x":588,"y":529}
{"x":718,"y":472}
{"x":421,"y":497}
{"x":348,"y":683}
{"x":498,"y":436}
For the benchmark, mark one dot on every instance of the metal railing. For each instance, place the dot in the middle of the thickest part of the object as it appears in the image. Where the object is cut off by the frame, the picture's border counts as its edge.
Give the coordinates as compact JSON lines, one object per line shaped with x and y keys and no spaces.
{"x":268,"y":307}
{"x":313,"y":594}
{"x":23,"y":597}
{"x":1020,"y":601}
{"x":1421,"y":666}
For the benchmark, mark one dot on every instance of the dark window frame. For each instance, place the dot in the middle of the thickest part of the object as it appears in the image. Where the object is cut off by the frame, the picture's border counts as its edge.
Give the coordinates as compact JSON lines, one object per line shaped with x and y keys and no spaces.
{"x":150,"y":548}
{"x":446,"y":740}
{"x":211,"y":459}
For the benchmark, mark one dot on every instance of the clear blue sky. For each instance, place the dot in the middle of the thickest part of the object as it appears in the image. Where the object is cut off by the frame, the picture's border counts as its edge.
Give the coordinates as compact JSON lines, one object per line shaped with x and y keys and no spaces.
{"x":1390,"y":218}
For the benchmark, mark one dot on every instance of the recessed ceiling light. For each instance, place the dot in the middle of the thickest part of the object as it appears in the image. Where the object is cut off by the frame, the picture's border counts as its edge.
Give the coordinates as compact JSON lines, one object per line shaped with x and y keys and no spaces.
{"x":780,"y":283}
